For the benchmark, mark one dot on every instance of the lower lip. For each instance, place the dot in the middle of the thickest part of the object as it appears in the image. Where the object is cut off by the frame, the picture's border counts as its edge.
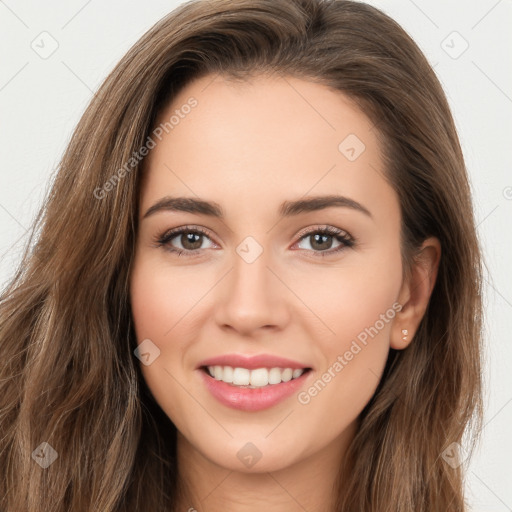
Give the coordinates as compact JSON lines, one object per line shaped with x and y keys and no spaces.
{"x":252,"y":399}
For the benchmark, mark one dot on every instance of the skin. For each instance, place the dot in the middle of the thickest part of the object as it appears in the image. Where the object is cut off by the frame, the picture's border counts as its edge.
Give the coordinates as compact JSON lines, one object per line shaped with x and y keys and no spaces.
{"x":249,"y":147}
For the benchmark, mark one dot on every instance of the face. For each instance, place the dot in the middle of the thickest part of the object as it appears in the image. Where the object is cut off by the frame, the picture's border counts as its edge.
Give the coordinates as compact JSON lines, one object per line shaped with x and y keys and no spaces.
{"x":249,"y":274}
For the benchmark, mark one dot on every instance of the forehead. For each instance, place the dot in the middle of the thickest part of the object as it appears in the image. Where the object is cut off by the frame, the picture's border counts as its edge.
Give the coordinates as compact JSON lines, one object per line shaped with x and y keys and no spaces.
{"x":277,"y":137}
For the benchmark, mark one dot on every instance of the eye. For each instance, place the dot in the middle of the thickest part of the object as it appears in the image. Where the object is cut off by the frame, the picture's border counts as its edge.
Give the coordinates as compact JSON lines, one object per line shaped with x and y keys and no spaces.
{"x":189,"y":240}
{"x":320,"y":240}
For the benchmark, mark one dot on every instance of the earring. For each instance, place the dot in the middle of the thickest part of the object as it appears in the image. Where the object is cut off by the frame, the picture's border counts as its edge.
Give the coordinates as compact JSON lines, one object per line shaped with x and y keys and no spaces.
{"x":405,"y":332}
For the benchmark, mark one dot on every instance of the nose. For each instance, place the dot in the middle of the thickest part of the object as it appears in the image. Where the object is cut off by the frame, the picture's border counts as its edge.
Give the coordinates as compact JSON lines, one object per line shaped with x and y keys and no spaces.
{"x":252,"y":298}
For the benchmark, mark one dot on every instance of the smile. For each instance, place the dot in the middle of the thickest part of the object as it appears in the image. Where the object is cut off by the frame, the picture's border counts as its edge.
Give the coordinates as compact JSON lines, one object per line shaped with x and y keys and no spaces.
{"x":256,"y":378}
{"x":253,"y":390}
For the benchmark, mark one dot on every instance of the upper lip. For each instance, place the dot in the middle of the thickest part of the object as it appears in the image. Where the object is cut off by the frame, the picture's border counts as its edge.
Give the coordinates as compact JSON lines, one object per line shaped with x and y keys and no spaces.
{"x":252,"y":362}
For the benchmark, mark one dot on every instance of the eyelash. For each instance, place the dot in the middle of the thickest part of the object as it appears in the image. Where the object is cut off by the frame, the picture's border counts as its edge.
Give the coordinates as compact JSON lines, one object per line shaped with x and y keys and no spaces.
{"x":340,"y":235}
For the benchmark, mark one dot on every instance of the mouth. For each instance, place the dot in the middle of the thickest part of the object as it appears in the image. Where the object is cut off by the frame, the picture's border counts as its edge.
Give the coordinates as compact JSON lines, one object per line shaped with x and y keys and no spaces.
{"x":256,"y":378}
{"x":253,"y":389}
{"x":252,"y":382}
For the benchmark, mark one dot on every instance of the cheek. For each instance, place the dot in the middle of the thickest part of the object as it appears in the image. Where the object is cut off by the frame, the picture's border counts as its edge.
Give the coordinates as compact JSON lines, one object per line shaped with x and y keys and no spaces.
{"x":357,"y":302}
{"x":358,"y":309}
{"x":162,"y":302}
{"x":352,"y":297}
{"x":162,"y":298}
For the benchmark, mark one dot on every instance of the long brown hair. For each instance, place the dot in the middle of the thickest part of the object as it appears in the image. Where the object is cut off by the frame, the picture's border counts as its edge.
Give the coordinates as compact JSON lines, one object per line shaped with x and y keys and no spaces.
{"x":68,"y":375}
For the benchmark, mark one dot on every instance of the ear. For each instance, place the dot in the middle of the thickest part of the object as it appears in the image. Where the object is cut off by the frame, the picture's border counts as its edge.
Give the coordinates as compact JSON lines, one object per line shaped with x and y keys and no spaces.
{"x":415,"y":293}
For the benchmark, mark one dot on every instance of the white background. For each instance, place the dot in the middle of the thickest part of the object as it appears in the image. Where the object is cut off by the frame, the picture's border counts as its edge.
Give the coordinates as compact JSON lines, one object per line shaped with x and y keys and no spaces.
{"x":41,"y":100}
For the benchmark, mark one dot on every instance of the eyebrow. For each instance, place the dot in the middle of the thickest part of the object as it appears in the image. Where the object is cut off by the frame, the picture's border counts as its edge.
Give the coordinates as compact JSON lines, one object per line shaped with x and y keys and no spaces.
{"x":287,"y":208}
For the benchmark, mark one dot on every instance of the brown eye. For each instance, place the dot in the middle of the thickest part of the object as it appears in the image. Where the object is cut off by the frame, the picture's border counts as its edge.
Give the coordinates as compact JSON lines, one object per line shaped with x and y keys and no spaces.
{"x":321,"y":240}
{"x":183,"y":240}
{"x":191,"y":241}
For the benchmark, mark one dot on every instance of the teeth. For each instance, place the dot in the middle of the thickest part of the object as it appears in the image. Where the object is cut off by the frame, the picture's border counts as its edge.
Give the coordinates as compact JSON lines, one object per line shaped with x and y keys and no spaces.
{"x":241,"y":376}
{"x":274,"y":376}
{"x":227,"y":374}
{"x":297,"y":373}
{"x":259,"y":377}
{"x":287,"y":374}
{"x":217,"y":372}
{"x":256,"y":378}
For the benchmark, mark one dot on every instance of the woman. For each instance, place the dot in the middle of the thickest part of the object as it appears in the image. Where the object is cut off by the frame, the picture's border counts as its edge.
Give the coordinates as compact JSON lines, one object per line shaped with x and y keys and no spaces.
{"x":256,"y":281}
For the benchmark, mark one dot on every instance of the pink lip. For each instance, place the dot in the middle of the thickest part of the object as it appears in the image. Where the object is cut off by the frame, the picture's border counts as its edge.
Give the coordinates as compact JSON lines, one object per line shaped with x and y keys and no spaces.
{"x":252,"y":399}
{"x":252,"y":362}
